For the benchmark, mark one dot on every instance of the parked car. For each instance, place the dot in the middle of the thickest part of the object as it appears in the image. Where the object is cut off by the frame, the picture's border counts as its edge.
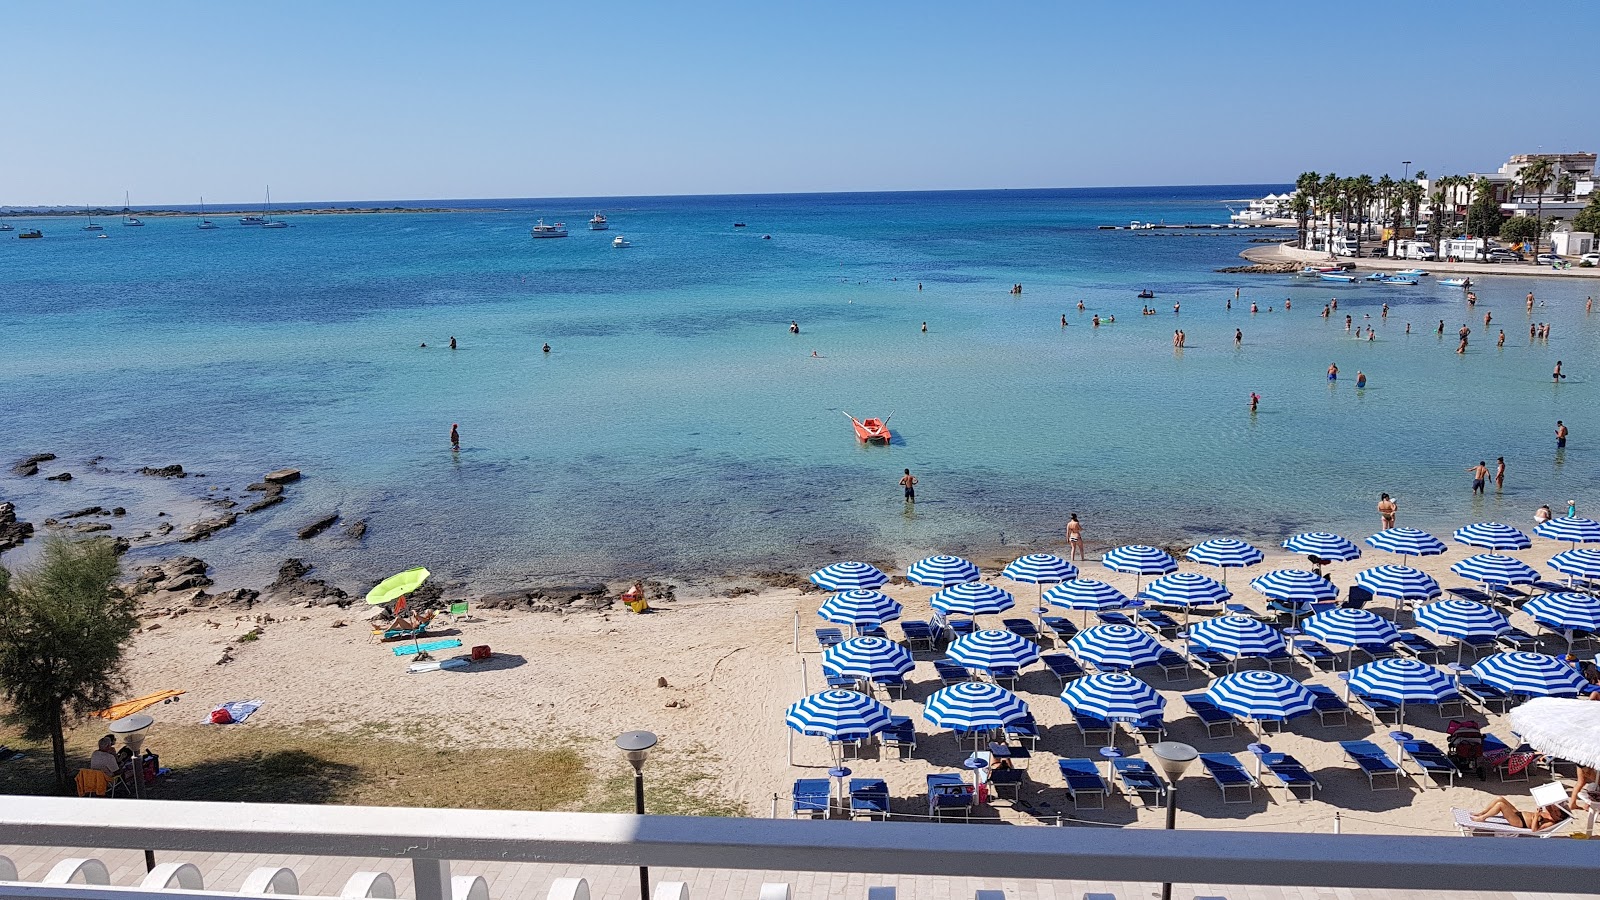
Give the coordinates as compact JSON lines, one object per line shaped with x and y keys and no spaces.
{"x":1592,"y":259}
{"x":1548,"y":259}
{"x":1504,"y":256}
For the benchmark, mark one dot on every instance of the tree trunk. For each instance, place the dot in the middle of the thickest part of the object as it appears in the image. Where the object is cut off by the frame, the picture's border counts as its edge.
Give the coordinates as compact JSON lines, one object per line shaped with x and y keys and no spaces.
{"x":1538,"y":229}
{"x":58,"y":748}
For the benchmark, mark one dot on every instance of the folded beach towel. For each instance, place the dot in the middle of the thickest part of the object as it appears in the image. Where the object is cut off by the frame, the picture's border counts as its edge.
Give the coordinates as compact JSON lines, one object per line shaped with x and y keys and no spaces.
{"x":238,"y":711}
{"x":426,"y":647}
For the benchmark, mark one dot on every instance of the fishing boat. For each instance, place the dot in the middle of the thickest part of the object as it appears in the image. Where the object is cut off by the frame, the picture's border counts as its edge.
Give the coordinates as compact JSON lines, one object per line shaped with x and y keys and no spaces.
{"x":30,"y":235}
{"x":619,"y":242}
{"x":1456,"y":282}
{"x":1330,"y":276}
{"x":871,"y":431}
{"x":542,"y":230}
{"x":129,"y":220}
{"x":598,"y":223}
{"x":205,"y":223}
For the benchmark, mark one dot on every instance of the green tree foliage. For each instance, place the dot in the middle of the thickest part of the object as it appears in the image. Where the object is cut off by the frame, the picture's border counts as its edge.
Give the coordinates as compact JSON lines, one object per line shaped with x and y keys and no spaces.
{"x":1483,"y":216}
{"x":1588,"y":218}
{"x":1519,"y":228}
{"x":64,"y":627}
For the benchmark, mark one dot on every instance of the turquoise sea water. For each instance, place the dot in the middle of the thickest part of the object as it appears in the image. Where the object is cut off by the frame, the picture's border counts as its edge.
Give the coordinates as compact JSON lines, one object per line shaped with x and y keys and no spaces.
{"x":678,"y":427}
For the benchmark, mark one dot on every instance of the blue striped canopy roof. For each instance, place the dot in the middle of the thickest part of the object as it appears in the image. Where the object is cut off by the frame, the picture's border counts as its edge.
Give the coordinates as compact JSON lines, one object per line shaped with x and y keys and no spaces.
{"x":1113,"y":696}
{"x":972,"y":705}
{"x":1573,"y":529}
{"x":1456,"y":618}
{"x":1577,"y":563}
{"x":1040,"y":568}
{"x":1492,"y":568}
{"x":1226,"y":553}
{"x":941,"y":571}
{"x":1407,"y":542}
{"x":1530,"y":674}
{"x":1323,"y":545}
{"x":834,"y":714}
{"x":1401,"y":681}
{"x":1351,"y":627}
{"x":973,"y":598}
{"x":868,"y":657}
{"x":1138,"y":559}
{"x":1492,"y":536}
{"x":1186,"y":589}
{"x":859,"y":607}
{"x":1235,"y":636}
{"x":849,"y":576}
{"x":1258,"y":694}
{"x":1565,"y":610}
{"x":1294,"y":586}
{"x":1400,"y":582}
{"x":1115,"y":647}
{"x":990,"y":650}
{"x":1085,"y":593}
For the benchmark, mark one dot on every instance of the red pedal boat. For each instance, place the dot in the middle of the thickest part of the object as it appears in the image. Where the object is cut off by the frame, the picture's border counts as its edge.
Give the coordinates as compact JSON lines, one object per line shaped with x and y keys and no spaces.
{"x":871,"y":430}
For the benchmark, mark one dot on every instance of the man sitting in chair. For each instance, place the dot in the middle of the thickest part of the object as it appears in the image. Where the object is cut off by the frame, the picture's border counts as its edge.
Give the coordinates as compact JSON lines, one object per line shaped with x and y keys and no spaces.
{"x":105,"y":759}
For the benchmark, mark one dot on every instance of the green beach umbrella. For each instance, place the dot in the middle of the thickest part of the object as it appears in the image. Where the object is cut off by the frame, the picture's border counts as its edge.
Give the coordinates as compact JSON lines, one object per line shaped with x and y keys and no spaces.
{"x":397,"y":586}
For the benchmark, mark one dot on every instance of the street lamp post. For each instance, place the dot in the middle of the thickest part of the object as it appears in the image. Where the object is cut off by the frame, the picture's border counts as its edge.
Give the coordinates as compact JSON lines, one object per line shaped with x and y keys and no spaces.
{"x":1174,"y":758}
{"x":133,"y":730}
{"x":1407,"y":164}
{"x":636,"y":746}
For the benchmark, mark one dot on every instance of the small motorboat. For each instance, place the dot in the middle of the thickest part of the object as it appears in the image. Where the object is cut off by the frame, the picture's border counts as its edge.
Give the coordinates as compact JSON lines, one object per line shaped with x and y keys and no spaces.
{"x":1330,"y":276}
{"x":6,"y":227}
{"x":541,"y":230}
{"x":738,"y":224}
{"x":1413,"y":273}
{"x":871,"y":431}
{"x":1398,"y":279}
{"x":30,"y":235}
{"x":1456,"y":282}
{"x":619,"y":242}
{"x":598,"y":223}
{"x":1147,"y":294}
{"x":1377,"y":276}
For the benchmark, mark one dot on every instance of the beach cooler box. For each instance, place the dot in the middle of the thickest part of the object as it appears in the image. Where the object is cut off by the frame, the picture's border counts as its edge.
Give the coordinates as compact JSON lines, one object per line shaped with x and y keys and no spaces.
{"x":481,"y":653}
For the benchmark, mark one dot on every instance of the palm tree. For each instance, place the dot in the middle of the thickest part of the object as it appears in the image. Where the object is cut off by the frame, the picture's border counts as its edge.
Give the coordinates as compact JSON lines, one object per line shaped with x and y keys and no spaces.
{"x":1436,"y":201}
{"x":1362,"y":190}
{"x":1565,"y":185}
{"x":1305,"y":192}
{"x":1300,"y":206}
{"x":1331,"y":188}
{"x":1536,"y":176}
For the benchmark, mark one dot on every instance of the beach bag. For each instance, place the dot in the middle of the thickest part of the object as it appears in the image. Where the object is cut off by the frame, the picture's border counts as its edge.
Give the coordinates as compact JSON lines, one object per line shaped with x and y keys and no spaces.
{"x":221,"y":716}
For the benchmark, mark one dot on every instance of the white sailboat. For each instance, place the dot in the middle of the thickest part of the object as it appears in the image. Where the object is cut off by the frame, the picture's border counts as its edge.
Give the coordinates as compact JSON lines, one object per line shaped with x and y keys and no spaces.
{"x":92,"y":226}
{"x":129,"y":220}
{"x":205,"y":223}
{"x":267,"y":221}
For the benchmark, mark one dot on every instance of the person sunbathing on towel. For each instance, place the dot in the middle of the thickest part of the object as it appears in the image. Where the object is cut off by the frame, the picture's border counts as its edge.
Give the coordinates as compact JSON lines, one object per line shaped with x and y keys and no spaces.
{"x":1540,"y":819}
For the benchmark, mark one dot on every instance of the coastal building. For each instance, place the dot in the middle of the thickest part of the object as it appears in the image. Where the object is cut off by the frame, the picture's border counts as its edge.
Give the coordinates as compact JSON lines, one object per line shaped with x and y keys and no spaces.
{"x":1513,"y":198}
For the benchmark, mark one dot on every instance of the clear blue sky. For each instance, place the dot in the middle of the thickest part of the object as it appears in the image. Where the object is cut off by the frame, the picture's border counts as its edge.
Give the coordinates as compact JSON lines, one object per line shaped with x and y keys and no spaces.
{"x":332,"y":101}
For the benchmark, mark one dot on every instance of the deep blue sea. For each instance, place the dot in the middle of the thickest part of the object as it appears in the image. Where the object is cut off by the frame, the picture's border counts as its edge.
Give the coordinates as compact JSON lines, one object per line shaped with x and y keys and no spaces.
{"x":677,"y":426}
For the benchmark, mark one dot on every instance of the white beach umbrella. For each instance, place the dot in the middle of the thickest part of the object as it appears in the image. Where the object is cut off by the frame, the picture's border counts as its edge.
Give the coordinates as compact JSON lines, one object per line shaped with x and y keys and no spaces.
{"x":1565,"y":729}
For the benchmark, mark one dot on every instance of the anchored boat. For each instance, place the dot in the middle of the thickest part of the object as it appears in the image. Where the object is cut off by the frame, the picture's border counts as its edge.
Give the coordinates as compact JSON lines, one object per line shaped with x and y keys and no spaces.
{"x":871,"y":430}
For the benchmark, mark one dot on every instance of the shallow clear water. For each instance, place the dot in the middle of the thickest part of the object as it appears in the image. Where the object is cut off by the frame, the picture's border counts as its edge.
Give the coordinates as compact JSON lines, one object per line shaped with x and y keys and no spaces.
{"x":678,"y":427}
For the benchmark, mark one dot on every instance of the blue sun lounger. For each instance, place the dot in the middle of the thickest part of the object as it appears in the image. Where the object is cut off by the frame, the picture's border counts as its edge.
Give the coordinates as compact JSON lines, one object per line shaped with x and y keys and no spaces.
{"x":1022,"y":628}
{"x":812,"y":797}
{"x":827,"y":637}
{"x":1372,"y":762}
{"x":1084,"y":781}
{"x":1225,"y":770}
{"x":1378,"y":651}
{"x":950,"y":673}
{"x":1209,"y":715}
{"x":949,"y":795}
{"x":1063,"y":667}
{"x":1517,"y":639}
{"x":1114,"y":618}
{"x":1023,"y":731}
{"x":1138,"y":778}
{"x":1172,"y":665}
{"x":869,"y":797}
{"x":1211,"y":659}
{"x":1328,"y":704}
{"x":1418,"y":647}
{"x":1061,"y":627}
{"x":919,"y":634}
{"x":901,"y":736}
{"x":1159,"y":623}
{"x":1377,"y":706}
{"x":1483,"y":693}
{"x":1089,"y":726}
{"x":1150,"y":728}
{"x":1315,"y":655}
{"x":1430,"y":759}
{"x":961,"y":627}
{"x":1291,"y":774}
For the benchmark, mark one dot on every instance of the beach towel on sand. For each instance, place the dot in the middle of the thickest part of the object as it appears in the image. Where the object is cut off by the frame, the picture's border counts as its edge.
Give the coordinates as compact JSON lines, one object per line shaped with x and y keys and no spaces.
{"x":237,"y":710}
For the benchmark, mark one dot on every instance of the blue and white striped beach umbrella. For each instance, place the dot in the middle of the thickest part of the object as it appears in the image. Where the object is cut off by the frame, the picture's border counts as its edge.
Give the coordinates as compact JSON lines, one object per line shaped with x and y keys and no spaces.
{"x":1577,"y":563}
{"x":1294,"y":586}
{"x":1186,"y":589}
{"x":1225,"y":554}
{"x":1565,"y":611}
{"x":1457,"y":618}
{"x":1115,"y":647}
{"x":1572,"y":529}
{"x":974,"y":598}
{"x":868,"y":657}
{"x":838,"y":714}
{"x":849,"y":576}
{"x":1260,"y":695}
{"x":1407,"y":542}
{"x":1113,"y":696}
{"x":1323,"y":545}
{"x":1399,"y":582}
{"x":1492,"y":536}
{"x":1040,"y":568}
{"x":1530,"y":674}
{"x":991,"y":650}
{"x":1138,"y":559}
{"x":1401,"y":681}
{"x":1351,"y":627}
{"x":1086,"y":594}
{"x":973,"y":705}
{"x":1494,"y":569}
{"x":1235,"y":636}
{"x":859,"y":607}
{"x":941,"y":571}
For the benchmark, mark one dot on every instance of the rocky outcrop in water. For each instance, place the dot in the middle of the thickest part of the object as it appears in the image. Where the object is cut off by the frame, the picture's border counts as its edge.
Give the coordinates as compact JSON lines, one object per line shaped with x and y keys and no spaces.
{"x":205,"y":528}
{"x":172,"y":471}
{"x":12,"y":532}
{"x":1286,"y":268}
{"x":29,"y":465}
{"x":319,"y":526}
{"x":271,"y":495}
{"x":59,"y":476}
{"x":292,"y":585}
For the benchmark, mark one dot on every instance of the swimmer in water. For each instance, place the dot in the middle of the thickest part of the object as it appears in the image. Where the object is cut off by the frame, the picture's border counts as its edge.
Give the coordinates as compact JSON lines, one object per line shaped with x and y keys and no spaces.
{"x":1333,"y":372}
{"x":1286,"y":302}
{"x":1502,"y":341}
{"x":925,"y":324}
{"x":1238,"y":337}
{"x":1255,"y":400}
{"x":1361,"y":379}
{"x":1096,"y":320}
{"x":1063,"y":322}
{"x":547,"y":347}
{"x":794,"y":327}
{"x":1080,"y":306}
{"x":455,"y":437}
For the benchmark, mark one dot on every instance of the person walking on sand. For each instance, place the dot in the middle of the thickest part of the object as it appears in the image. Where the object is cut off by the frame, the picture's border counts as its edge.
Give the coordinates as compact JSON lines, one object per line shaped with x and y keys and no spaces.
{"x":1480,"y":474}
{"x":1499,"y":472}
{"x":1561,"y":434}
{"x":1386,"y":510}
{"x":909,"y":482}
{"x":1075,"y":538}
{"x":455,"y":437}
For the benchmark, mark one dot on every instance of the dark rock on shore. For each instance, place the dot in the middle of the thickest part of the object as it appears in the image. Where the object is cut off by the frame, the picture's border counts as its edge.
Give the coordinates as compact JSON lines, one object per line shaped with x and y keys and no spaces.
{"x":317,"y":527}
{"x":293,"y":585}
{"x":12,"y":532}
{"x":205,"y":528}
{"x":30,"y":465}
{"x":552,"y":599}
{"x":179,"y":573}
{"x":86,"y":511}
{"x":787,"y":580}
{"x":89,"y":527}
{"x":272,"y":495}
{"x":356,"y":530}
{"x":60,"y":476}
{"x":282,"y":476}
{"x":172,"y":471}
{"x":1287,"y":268}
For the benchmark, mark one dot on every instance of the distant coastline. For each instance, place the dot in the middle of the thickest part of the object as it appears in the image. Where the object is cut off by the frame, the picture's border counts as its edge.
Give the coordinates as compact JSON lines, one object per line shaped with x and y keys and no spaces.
{"x":107,"y":212}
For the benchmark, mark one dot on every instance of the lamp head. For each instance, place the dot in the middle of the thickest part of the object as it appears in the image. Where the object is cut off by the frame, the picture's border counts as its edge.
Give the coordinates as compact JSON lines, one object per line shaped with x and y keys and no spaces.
{"x":1174,"y":757}
{"x":636,"y":745}
{"x":133,"y":729}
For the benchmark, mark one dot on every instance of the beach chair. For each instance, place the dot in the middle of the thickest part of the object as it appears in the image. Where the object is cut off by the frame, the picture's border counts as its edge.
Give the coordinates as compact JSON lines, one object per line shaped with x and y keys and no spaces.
{"x":1517,"y":639}
{"x":1022,"y":628}
{"x":1553,"y":794}
{"x":900,"y":736}
{"x":1211,"y":659}
{"x":1378,"y":651}
{"x":1473,"y":594}
{"x":961,"y":627}
{"x":1290,"y":773}
{"x":1064,"y":667}
{"x":1511,"y":765}
{"x":1158,"y":622}
{"x":1357,"y":597}
{"x":1024,"y":731}
{"x":869,"y":797}
{"x":827,"y":637}
{"x":849,"y":745}
{"x":457,"y":611}
{"x":871,"y":631}
{"x":1278,"y":659}
{"x":812,"y":797}
{"x":949,"y":795}
{"x":1430,"y":759}
{"x":1083,"y":782}
{"x":95,"y":783}
{"x":1372,"y":761}
{"x":894,"y":686}
{"x":1452,"y":701}
{"x":1137,"y":778}
{"x":1483,"y":693}
{"x":919,"y":635}
{"x":1090,"y":726}
{"x":1004,"y":676}
{"x":1060,"y":628}
{"x":838,"y":681}
{"x":1225,"y":770}
{"x":1112,"y":617}
{"x":1328,"y":705}
{"x":1173,"y":664}
{"x":1004,"y":780}
{"x":1316,"y":655}
{"x":1418,"y":647}
{"x":1150,"y":728}
{"x":1378,"y":707}
{"x":1209,"y":715}
{"x":1478,"y":645}
{"x":950,"y":673}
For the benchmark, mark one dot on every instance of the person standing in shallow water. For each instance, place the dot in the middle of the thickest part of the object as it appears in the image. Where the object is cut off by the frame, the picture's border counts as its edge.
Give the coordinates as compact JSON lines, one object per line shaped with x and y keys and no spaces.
{"x":909,"y":482}
{"x":1387,"y":509}
{"x":1499,"y":472}
{"x":1480,"y":474}
{"x":455,"y":436}
{"x":1561,"y":434}
{"x":1075,"y":538}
